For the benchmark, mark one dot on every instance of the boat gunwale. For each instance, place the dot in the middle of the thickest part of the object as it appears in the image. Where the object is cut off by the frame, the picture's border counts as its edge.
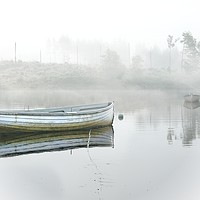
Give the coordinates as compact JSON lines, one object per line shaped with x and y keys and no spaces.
{"x":192,"y":95}
{"x":89,"y":109}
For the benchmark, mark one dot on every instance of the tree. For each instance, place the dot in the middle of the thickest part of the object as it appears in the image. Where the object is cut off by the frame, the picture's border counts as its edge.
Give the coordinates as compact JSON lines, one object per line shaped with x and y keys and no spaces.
{"x":111,"y":59}
{"x":171,"y":43}
{"x":191,"y":52}
{"x":137,"y":61}
{"x":65,"y":45}
{"x":111,"y":63}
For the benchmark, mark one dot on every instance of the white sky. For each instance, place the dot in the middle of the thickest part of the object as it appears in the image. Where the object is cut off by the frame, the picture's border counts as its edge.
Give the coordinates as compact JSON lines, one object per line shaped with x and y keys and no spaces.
{"x":31,"y":22}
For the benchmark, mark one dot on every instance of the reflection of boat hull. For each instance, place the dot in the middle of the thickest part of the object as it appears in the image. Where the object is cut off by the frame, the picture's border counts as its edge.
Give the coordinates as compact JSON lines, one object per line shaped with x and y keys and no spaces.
{"x":15,"y":143}
{"x":191,"y":98}
{"x":190,"y":122}
{"x":191,"y":105}
{"x":65,"y":118}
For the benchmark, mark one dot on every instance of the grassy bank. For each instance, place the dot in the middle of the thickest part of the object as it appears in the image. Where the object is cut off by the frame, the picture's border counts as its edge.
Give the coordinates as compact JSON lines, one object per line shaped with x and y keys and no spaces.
{"x":65,"y":76}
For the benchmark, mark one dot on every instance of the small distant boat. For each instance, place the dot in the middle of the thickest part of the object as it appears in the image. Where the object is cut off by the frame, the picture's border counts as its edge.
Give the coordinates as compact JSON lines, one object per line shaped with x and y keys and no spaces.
{"x":191,"y":97}
{"x":57,"y":119}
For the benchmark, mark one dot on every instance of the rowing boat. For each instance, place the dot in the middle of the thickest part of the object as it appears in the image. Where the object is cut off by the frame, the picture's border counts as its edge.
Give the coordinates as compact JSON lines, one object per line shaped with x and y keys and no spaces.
{"x":57,"y":119}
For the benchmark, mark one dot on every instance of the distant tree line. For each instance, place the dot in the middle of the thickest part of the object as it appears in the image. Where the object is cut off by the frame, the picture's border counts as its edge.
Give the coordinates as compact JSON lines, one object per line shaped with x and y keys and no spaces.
{"x":118,"y":55}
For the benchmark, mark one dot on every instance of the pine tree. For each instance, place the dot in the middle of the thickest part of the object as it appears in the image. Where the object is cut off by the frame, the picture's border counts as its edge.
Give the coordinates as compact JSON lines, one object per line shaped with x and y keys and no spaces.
{"x":191,"y":52}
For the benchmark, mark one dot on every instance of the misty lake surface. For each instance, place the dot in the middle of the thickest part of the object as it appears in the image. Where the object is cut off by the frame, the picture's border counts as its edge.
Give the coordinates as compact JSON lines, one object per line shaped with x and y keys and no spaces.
{"x":154,"y":151}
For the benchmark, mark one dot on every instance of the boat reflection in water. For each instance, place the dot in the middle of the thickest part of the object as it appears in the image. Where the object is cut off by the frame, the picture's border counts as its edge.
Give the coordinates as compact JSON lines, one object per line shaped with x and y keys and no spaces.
{"x":13,"y":143}
{"x":190,"y":122}
{"x":191,"y":105}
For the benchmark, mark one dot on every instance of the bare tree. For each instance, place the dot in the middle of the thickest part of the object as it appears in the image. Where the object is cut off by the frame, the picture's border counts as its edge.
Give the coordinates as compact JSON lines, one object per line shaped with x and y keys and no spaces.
{"x":171,"y":44}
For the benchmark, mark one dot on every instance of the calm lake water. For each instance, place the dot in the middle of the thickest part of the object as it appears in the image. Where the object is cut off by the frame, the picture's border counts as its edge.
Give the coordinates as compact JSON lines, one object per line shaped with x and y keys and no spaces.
{"x":154,"y":152}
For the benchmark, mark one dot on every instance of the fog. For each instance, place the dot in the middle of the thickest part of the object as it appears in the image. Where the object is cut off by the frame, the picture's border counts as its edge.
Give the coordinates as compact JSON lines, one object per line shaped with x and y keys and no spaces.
{"x":143,"y":55}
{"x":94,"y":66}
{"x":32,"y":24}
{"x":99,"y":45}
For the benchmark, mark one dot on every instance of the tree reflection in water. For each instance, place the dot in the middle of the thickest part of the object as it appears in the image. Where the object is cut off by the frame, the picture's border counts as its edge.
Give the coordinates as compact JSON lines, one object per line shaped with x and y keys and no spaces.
{"x":190,"y":118}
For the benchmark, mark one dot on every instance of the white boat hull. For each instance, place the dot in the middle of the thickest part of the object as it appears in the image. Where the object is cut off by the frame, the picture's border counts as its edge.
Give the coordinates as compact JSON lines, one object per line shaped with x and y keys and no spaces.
{"x":79,"y":117}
